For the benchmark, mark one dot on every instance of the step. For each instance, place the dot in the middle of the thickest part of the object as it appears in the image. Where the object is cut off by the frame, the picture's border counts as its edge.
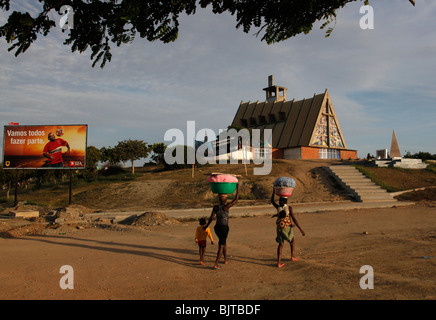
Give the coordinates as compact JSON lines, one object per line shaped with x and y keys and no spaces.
{"x":380,"y":200}
{"x":359,"y":183}
{"x":343,"y":170}
{"x":369,"y":187}
{"x":349,"y":176}
{"x":348,"y":173}
{"x":370,"y":193}
{"x":375,"y":197}
{"x":357,"y":180}
{"x":384,"y":195}
{"x":362,"y":188}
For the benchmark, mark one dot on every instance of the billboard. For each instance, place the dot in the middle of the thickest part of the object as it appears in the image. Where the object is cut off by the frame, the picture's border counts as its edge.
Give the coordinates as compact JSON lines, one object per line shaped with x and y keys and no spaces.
{"x":44,"y":146}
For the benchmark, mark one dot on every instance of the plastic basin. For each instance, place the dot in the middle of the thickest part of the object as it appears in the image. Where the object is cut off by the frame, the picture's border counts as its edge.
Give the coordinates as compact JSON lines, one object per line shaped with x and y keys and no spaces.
{"x":283,"y":191}
{"x":223,"y":187}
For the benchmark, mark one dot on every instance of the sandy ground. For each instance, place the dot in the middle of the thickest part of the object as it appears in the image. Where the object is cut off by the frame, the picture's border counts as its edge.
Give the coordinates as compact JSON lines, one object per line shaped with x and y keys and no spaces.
{"x":161,"y":262}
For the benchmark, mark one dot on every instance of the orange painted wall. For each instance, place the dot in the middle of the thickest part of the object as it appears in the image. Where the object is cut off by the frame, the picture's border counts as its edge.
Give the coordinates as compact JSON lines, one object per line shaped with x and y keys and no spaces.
{"x":309,"y":153}
{"x":349,"y":154}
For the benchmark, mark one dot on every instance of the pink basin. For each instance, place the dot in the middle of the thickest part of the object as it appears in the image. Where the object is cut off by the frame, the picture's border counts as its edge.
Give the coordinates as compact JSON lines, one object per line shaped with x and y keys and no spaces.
{"x":283,"y":191}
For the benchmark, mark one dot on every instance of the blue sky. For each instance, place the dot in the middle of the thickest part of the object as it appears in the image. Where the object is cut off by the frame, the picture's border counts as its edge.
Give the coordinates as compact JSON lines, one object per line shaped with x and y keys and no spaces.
{"x":380,"y":80}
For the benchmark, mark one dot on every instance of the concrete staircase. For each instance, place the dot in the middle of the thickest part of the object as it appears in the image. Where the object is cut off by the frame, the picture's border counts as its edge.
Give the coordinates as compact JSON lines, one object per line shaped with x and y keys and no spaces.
{"x":360,"y":187}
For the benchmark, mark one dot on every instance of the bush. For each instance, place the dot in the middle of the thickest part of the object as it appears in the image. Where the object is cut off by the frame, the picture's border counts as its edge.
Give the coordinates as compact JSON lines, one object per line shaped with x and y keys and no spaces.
{"x":420,"y":155}
{"x":112,"y":169}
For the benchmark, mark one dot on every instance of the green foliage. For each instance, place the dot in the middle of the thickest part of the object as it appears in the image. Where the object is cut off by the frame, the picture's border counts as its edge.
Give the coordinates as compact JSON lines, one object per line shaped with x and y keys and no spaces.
{"x":420,"y":155}
{"x":158,"y":150}
{"x":7,"y":179}
{"x":93,"y":156}
{"x":6,"y":175}
{"x":131,"y":150}
{"x":126,"y":150}
{"x":99,"y":23}
{"x":108,"y":154}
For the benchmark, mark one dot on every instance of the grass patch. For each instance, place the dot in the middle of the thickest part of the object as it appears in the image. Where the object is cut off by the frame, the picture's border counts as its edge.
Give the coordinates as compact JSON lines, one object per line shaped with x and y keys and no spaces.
{"x":400,"y":179}
{"x":372,"y":175}
{"x":431,"y":168}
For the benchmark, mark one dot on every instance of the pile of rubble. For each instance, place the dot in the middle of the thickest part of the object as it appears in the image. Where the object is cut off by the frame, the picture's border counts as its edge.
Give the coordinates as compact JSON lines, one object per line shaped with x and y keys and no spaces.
{"x":148,"y":219}
{"x":24,"y":221}
{"x":68,"y":214}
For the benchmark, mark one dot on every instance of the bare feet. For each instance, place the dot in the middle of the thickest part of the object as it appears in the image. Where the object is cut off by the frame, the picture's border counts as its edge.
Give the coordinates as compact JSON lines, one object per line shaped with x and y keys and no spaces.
{"x":202,"y":263}
{"x":294,"y":259}
{"x":280,"y":265}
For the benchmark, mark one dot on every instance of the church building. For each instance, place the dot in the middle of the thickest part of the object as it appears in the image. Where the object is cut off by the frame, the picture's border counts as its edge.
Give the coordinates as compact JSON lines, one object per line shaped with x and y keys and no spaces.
{"x":304,"y":129}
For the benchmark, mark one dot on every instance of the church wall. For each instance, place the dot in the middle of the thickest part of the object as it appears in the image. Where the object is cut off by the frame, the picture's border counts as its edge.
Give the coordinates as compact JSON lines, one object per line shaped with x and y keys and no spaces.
{"x":349,"y":154}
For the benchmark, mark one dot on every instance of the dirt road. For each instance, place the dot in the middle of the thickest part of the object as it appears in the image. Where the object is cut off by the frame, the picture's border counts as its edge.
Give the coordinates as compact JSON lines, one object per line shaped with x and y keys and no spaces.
{"x":161,"y":262}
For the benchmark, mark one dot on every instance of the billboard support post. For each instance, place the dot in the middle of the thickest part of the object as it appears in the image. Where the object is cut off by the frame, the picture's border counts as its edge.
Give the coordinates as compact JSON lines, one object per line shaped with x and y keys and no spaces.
{"x":16,"y":188}
{"x":71,"y":186}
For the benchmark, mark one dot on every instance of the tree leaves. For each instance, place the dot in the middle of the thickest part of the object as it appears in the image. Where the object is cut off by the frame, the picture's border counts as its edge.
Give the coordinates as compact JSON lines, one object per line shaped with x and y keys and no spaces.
{"x":126,"y":150}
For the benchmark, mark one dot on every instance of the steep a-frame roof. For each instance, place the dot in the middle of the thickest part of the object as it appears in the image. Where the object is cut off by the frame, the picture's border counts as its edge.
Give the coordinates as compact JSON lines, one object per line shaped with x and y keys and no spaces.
{"x":308,"y":122}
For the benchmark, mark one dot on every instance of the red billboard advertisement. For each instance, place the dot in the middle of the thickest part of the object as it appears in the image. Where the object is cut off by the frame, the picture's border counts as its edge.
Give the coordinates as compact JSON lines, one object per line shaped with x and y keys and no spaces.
{"x":45,"y":146}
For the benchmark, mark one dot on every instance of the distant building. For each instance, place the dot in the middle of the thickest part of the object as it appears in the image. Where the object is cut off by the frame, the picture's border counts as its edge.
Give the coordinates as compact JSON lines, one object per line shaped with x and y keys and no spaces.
{"x":395,"y":160}
{"x":305,"y":129}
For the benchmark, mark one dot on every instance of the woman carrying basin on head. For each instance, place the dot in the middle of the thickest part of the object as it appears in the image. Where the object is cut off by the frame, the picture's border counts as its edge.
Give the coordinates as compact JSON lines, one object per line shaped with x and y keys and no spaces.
{"x":221,"y":211}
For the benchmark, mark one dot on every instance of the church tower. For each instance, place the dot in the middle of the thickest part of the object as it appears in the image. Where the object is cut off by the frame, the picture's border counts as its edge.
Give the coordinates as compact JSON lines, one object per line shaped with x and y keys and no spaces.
{"x":274,"y":93}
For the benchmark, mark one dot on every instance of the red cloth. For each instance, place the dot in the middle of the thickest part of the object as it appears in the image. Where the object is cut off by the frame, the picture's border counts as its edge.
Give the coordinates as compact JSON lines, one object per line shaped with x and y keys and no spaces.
{"x":54,"y":149}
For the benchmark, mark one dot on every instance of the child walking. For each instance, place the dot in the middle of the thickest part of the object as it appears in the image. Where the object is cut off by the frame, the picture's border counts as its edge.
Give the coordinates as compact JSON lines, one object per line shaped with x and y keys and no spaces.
{"x":200,"y":238}
{"x":284,"y":227}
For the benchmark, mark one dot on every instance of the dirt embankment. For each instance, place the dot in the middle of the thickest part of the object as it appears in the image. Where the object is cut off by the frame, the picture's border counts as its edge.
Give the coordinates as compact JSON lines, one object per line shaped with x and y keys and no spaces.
{"x":178,"y":189}
{"x":182,"y":189}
